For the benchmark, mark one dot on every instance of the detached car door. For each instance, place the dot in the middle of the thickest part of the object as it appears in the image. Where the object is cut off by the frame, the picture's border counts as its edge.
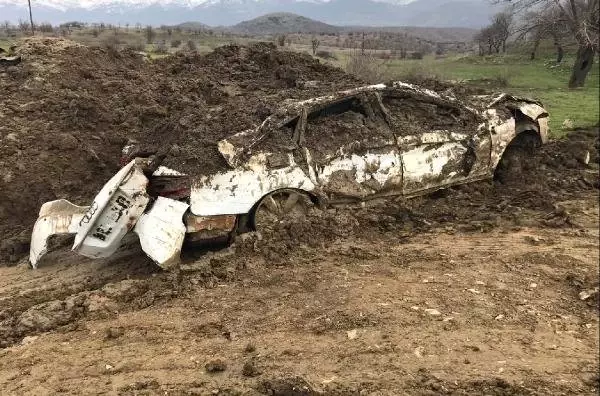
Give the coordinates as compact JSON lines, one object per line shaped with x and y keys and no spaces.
{"x":351,"y":149}
{"x":441,"y":142}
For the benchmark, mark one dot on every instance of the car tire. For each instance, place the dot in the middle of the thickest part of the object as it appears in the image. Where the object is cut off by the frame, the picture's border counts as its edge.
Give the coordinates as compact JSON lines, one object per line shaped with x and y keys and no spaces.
{"x":277,"y":207}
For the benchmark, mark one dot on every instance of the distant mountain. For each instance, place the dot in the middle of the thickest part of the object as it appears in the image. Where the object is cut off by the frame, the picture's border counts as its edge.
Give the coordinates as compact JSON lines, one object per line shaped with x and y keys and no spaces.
{"x":283,"y":22}
{"x":193,"y":26}
{"x":279,"y":23}
{"x":430,"y":13}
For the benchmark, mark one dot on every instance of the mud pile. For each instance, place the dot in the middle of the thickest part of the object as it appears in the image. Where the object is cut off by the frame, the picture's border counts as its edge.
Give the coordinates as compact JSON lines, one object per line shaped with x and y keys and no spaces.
{"x":67,"y":111}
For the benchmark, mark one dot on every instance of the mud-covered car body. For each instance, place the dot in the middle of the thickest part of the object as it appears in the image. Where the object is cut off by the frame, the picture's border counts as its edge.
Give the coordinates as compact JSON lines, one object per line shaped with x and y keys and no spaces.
{"x":369,"y":142}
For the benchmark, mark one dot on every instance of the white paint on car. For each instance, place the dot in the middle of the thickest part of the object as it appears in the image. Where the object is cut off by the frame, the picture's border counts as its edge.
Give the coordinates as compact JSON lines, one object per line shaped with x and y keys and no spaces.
{"x":161,"y":231}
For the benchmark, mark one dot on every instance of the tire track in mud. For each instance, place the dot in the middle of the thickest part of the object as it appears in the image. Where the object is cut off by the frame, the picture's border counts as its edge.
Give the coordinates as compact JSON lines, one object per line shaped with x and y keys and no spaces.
{"x":65,"y":289}
{"x":95,"y":289}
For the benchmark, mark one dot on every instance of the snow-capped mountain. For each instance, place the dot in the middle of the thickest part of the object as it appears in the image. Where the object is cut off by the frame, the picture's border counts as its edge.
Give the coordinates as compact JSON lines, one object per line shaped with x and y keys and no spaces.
{"x":434,"y":13}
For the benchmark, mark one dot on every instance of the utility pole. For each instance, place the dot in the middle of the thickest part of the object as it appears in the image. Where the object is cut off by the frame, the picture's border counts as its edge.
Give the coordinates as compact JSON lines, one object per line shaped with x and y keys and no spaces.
{"x":31,"y":18}
{"x":362,"y":45}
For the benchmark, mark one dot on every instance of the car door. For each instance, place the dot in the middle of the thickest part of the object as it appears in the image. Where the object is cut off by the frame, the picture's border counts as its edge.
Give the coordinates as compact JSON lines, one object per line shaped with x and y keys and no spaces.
{"x":351,"y":149}
{"x":441,"y":142}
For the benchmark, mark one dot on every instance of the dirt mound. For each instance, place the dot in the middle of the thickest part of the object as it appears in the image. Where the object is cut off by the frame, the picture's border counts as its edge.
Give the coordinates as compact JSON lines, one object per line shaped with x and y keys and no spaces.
{"x":68,"y":110}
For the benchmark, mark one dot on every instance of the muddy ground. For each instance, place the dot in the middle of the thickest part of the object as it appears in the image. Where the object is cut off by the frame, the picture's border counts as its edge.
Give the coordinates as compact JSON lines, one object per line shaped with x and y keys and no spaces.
{"x":489,"y":288}
{"x":482,"y":289}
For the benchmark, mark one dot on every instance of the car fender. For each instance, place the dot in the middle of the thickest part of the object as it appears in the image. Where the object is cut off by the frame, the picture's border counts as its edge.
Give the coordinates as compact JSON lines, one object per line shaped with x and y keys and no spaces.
{"x":59,"y":217}
{"x":238,"y":190}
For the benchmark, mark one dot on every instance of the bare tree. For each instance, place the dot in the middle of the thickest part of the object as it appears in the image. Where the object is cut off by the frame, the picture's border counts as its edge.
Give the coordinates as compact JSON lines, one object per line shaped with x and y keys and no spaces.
{"x":581,"y":18}
{"x":485,"y":38}
{"x":315,"y":44}
{"x":23,"y":26}
{"x":544,"y":25}
{"x":494,"y":36}
{"x":150,"y":34}
{"x":281,"y":40}
{"x":7,"y":27}
{"x":502,"y":26}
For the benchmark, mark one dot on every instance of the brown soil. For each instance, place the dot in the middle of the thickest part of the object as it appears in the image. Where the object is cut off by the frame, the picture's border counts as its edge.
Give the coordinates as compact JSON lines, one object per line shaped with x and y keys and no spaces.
{"x":67,"y":111}
{"x":487,"y":288}
{"x":445,"y":311}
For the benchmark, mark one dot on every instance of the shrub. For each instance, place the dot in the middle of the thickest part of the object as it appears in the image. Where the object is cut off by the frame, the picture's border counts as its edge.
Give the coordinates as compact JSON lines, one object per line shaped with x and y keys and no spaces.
{"x":175,"y":43}
{"x":366,"y":67}
{"x":191,"y":45}
{"x":326,"y":55}
{"x":137,"y":46}
{"x":111,"y":42}
{"x":161,"y":48}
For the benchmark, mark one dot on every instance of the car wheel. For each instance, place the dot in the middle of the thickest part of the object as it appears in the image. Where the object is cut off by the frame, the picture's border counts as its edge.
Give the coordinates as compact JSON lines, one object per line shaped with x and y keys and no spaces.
{"x":280,"y":206}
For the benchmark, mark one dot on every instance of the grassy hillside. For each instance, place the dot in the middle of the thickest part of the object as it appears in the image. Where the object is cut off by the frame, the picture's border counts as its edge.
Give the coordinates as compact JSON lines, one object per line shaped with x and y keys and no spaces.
{"x":540,"y":79}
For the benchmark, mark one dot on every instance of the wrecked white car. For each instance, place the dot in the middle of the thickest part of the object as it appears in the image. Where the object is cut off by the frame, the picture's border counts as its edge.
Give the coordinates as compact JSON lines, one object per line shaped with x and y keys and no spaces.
{"x":370,"y":142}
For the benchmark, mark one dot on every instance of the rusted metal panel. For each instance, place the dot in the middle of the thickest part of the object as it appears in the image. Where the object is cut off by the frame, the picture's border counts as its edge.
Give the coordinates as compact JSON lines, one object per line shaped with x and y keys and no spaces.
{"x":195,"y":223}
{"x":209,"y":228}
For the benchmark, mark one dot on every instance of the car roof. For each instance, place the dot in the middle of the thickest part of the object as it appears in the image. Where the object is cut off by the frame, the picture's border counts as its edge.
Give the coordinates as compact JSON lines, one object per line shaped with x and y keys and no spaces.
{"x":292,"y":107}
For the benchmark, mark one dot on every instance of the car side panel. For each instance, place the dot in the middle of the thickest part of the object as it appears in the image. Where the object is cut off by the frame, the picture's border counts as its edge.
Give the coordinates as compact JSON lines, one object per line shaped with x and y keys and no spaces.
{"x":237,"y":191}
{"x":358,"y":176}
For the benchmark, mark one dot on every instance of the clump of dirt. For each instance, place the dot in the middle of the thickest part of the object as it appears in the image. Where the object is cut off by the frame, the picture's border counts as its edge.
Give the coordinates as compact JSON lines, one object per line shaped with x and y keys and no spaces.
{"x":215,"y":366}
{"x":288,"y":386}
{"x":67,"y":111}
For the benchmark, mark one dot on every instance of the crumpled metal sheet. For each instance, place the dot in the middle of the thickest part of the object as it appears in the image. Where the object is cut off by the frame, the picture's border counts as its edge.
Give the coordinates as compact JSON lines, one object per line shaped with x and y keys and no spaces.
{"x":161,"y":231}
{"x":55,"y":218}
{"x":113,"y":213}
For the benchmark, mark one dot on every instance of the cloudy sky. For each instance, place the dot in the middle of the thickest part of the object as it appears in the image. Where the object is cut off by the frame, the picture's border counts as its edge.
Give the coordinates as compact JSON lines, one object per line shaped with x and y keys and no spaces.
{"x":433,"y":13}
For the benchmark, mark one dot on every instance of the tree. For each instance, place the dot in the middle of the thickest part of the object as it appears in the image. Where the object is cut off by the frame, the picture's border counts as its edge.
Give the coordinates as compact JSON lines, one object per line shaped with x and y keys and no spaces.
{"x":150,"y":34}
{"x":6,"y":26}
{"x":23,"y":26}
{"x":315,"y":44}
{"x":281,"y":40}
{"x":485,"y":39}
{"x":494,"y":36}
{"x":502,"y":27}
{"x":581,"y":17}
{"x":544,"y":25}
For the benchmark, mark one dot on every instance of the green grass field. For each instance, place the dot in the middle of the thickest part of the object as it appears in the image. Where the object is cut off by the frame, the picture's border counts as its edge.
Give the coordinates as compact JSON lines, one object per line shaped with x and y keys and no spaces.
{"x":536,"y":79}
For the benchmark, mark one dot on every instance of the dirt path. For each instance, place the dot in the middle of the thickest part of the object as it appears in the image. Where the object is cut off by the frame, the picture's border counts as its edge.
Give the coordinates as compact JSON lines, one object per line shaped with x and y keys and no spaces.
{"x":439,"y":312}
